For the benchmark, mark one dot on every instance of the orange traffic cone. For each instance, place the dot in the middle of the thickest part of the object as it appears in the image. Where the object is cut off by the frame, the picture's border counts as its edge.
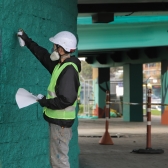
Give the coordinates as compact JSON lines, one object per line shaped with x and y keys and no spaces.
{"x":106,"y":138}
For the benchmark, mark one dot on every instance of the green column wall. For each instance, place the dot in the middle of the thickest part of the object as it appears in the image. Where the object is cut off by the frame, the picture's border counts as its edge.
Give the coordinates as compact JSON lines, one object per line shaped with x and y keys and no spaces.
{"x":23,"y":132}
{"x":164,"y":93}
{"x":132,"y":92}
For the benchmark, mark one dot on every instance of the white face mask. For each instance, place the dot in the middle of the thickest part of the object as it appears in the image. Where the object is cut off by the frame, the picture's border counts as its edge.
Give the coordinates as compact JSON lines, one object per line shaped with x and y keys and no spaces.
{"x":54,"y":56}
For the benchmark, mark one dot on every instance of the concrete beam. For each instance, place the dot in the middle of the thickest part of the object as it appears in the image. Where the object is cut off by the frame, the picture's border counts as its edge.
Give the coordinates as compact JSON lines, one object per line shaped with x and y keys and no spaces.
{"x":133,"y":56}
{"x":120,"y":36}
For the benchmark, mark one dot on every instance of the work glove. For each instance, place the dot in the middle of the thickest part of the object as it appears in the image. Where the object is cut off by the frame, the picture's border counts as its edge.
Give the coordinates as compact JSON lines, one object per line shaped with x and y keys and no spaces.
{"x":24,"y":37}
{"x":43,"y":101}
{"x":39,"y":96}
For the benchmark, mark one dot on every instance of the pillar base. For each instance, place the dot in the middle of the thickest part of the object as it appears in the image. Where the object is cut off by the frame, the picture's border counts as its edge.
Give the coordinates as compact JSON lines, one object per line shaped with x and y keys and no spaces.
{"x":148,"y":151}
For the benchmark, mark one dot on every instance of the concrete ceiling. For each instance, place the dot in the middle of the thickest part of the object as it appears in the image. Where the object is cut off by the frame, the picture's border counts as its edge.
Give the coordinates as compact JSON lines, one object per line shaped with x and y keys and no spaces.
{"x":97,"y":6}
{"x":105,"y":11}
{"x":117,"y":1}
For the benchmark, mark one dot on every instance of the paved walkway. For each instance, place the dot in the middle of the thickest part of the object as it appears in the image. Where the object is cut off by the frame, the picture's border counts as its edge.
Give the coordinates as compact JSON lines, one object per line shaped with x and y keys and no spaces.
{"x":126,"y":136}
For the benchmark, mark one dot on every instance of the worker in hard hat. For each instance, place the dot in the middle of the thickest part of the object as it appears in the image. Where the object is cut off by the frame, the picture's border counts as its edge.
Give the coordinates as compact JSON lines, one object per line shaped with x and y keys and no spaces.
{"x":63,"y":90}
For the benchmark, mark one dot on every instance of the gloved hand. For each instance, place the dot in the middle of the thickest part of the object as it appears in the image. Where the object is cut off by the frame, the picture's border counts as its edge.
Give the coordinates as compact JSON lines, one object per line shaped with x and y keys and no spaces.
{"x":25,"y":37}
{"x":39,"y":96}
{"x":43,"y":101}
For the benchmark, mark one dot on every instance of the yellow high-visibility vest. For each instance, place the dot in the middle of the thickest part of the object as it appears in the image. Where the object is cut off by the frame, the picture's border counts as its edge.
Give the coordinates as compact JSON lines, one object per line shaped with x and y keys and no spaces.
{"x":67,"y":113}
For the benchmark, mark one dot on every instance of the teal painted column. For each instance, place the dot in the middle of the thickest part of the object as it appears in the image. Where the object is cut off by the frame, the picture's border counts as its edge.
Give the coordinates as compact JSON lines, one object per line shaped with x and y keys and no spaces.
{"x":164,"y":88}
{"x":132,"y":92}
{"x":103,"y":85}
{"x":97,"y":108}
{"x":24,"y":133}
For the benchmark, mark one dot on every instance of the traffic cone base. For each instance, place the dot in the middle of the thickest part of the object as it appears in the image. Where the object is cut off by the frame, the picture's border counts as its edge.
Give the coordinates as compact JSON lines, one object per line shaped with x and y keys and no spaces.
{"x":106,"y":139}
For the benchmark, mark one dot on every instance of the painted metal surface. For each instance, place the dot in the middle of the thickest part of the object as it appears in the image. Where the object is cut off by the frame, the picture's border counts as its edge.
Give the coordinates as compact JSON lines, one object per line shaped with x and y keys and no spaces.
{"x":124,"y":33}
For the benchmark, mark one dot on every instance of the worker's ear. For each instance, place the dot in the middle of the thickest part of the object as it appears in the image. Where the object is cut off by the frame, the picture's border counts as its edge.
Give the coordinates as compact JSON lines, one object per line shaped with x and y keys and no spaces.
{"x":61,"y":51}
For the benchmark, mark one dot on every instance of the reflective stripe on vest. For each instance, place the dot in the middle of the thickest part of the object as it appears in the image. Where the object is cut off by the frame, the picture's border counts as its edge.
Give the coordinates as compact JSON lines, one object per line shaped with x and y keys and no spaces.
{"x":67,"y":113}
{"x":52,"y":94}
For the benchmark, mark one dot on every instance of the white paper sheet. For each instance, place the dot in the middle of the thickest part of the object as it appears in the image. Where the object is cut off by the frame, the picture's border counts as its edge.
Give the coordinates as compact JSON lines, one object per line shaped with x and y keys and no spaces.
{"x":24,"y":98}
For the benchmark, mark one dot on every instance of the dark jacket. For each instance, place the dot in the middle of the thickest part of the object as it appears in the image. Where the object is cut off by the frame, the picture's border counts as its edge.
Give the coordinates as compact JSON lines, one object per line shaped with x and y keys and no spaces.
{"x":67,"y":83}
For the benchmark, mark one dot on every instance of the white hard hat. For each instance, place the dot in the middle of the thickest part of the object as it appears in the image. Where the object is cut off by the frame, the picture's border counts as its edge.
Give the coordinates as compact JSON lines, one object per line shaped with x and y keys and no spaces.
{"x":66,"y":40}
